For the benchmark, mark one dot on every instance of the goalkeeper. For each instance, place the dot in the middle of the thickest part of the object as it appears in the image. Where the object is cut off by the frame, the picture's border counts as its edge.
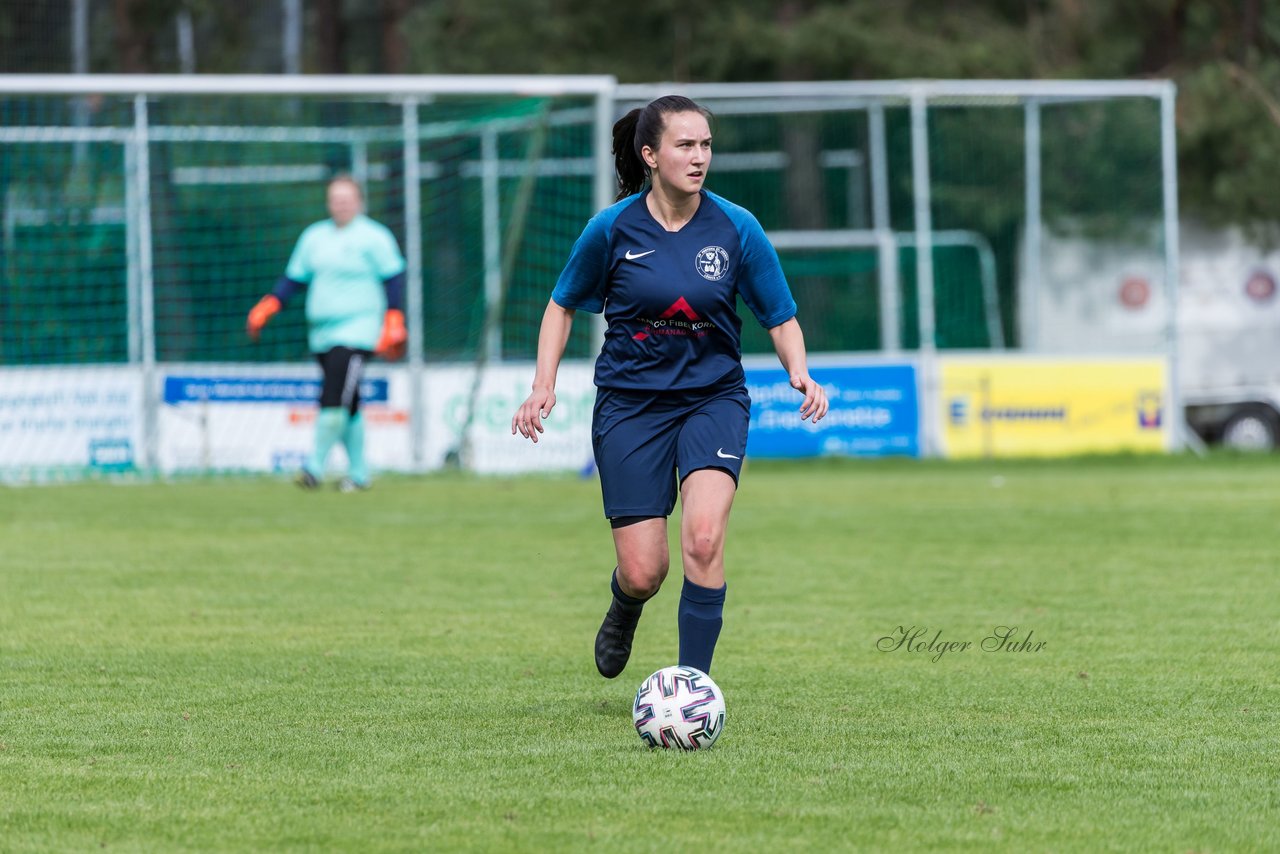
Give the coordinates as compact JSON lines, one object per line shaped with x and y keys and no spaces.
{"x":354,"y":274}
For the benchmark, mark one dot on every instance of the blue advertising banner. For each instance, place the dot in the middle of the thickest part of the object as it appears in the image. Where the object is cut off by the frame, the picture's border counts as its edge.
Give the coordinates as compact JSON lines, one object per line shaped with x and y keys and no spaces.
{"x":254,"y":390}
{"x":874,"y":413}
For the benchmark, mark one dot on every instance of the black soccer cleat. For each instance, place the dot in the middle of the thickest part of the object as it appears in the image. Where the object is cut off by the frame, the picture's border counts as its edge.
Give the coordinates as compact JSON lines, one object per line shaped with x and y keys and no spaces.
{"x":306,"y":480}
{"x":613,"y":641}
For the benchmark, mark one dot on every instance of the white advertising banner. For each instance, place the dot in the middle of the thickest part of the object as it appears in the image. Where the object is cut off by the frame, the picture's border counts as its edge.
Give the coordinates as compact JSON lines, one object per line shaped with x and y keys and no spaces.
{"x":70,"y":418}
{"x":263,"y":419}
{"x":451,"y":395}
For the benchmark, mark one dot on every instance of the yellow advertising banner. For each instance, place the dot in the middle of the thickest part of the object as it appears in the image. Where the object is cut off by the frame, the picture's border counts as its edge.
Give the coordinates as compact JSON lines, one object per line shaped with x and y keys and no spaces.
{"x":1031,"y":406}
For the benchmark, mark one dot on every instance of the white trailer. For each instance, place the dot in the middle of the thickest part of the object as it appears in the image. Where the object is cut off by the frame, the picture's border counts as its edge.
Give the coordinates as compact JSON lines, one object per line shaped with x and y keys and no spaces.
{"x":1105,"y":295}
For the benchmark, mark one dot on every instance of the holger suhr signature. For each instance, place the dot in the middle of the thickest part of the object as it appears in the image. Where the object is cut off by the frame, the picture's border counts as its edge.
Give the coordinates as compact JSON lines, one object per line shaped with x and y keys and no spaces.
{"x":918,"y":639}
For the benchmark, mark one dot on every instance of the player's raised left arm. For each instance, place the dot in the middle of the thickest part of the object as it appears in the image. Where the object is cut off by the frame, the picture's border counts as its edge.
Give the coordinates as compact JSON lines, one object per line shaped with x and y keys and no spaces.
{"x":788,"y":341}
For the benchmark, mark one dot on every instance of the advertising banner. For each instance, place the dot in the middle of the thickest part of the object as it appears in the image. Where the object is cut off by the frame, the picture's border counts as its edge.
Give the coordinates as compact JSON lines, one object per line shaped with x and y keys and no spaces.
{"x":874,"y":412}
{"x":70,"y":419}
{"x":230,"y":421}
{"x":1031,"y":406}
{"x":456,"y":403}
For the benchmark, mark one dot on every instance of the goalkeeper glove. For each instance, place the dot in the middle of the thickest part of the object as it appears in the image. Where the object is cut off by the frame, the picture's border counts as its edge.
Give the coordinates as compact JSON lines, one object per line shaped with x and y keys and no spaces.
{"x":260,"y":314}
{"x":391,"y":345}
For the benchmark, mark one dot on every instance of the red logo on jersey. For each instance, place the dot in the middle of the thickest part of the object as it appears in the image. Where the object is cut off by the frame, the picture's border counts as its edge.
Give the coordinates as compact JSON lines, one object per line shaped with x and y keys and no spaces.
{"x":670,"y":324}
{"x":680,"y":306}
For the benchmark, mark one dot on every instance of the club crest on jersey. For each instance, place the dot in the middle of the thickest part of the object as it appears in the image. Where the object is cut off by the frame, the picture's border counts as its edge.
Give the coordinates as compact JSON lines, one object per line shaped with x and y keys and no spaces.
{"x":712,"y":263}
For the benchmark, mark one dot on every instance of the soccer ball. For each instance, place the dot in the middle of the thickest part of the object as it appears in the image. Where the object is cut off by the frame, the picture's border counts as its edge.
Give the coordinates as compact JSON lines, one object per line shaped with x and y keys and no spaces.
{"x":679,"y":707}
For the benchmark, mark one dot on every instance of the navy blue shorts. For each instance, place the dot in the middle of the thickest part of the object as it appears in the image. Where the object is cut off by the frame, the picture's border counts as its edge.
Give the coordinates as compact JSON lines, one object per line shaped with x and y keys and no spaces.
{"x":647,"y":442}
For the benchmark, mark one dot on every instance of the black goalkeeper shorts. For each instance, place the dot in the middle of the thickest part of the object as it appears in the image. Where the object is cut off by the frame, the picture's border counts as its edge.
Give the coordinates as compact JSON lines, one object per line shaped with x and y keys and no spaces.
{"x":343,"y":368}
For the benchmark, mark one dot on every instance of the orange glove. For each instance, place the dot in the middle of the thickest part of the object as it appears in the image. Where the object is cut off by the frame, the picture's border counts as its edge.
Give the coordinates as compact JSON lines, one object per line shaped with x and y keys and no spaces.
{"x":391,"y":345}
{"x":260,"y":314}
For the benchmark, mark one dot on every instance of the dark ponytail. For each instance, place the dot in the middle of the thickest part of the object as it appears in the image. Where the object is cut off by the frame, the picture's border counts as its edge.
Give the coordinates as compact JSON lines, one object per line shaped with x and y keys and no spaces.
{"x":638,"y":128}
{"x":631,"y":170}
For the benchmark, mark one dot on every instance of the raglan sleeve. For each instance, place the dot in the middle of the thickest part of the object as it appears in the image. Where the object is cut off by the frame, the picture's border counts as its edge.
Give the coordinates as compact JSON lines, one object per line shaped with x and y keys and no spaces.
{"x":387,"y":258}
{"x":299,"y":268}
{"x":582,"y":283}
{"x":761,"y":282}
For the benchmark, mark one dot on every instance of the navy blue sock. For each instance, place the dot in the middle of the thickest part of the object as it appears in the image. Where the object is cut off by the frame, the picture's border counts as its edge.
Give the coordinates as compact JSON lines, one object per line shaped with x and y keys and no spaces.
{"x":630,"y":604}
{"x":701,"y":610}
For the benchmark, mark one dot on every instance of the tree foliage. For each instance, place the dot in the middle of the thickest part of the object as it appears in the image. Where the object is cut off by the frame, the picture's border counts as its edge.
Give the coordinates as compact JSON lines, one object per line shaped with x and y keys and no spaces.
{"x":1223,"y":54}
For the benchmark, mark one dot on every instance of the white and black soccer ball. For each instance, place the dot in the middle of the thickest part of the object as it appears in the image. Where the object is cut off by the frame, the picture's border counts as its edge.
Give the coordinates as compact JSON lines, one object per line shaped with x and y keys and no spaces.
{"x":679,"y":707}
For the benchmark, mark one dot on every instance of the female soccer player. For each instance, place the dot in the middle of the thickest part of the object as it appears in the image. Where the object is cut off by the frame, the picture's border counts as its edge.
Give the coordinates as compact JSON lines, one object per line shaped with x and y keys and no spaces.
{"x":666,"y":264}
{"x":353,"y":272}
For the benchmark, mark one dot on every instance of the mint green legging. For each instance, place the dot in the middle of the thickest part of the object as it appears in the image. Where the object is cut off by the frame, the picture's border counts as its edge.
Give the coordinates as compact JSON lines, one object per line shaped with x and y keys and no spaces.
{"x":334,"y":424}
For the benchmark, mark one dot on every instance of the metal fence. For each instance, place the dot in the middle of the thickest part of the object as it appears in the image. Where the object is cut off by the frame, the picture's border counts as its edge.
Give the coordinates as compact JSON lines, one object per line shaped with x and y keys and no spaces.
{"x":910,"y":215}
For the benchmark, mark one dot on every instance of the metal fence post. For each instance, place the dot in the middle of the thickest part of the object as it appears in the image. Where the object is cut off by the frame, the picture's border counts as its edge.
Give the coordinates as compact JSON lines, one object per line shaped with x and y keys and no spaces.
{"x":1169,"y":168}
{"x":1033,"y":226}
{"x":887,"y":265}
{"x":414,"y":297}
{"x":146,"y":283}
{"x":924,"y":268}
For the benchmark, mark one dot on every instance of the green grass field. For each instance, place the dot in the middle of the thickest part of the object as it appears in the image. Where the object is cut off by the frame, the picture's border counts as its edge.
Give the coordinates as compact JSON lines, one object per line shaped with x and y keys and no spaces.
{"x":236,"y":665}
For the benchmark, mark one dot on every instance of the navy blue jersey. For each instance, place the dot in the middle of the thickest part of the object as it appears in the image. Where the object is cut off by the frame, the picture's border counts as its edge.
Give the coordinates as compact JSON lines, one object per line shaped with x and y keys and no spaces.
{"x":670,"y":298}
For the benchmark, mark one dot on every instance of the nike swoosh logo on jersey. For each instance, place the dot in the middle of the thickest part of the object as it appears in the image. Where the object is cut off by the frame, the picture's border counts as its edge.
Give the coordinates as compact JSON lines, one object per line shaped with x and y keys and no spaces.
{"x":631,"y":257}
{"x":722,"y":455}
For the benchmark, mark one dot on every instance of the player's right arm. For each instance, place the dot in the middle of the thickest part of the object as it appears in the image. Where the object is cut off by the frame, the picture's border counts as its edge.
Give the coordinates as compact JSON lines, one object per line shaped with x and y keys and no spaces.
{"x":553,"y":336}
{"x":297,"y":274}
{"x":267,"y":307}
{"x":581,"y":286}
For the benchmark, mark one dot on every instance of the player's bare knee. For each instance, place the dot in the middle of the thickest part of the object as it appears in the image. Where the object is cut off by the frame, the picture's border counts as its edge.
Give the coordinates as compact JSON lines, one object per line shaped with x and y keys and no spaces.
{"x":642,"y":578}
{"x":703,"y":546}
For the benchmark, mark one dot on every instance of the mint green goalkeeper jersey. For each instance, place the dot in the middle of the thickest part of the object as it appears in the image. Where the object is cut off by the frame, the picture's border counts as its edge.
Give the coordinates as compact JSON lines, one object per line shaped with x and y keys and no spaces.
{"x":344,"y":270}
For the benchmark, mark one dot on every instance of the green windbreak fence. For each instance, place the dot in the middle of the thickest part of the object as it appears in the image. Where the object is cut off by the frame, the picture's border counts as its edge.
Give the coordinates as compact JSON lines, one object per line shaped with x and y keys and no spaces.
{"x":145,"y":226}
{"x":231,"y":182}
